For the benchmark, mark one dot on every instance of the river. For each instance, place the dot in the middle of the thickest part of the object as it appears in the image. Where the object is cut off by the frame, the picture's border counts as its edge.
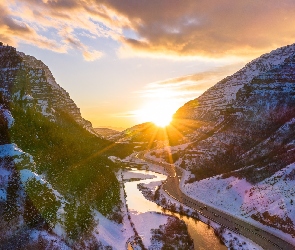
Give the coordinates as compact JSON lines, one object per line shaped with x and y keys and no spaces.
{"x":203,"y":237}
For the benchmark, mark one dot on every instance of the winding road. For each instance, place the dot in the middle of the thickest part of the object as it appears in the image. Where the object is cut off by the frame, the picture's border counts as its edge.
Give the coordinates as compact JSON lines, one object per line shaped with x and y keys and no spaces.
{"x":263,"y":238}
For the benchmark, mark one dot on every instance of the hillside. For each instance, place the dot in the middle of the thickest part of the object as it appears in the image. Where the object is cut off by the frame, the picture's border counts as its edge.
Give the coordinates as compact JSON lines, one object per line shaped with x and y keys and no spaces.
{"x":106,"y":132}
{"x":238,"y":141}
{"x":55,"y":175}
{"x":146,"y":136}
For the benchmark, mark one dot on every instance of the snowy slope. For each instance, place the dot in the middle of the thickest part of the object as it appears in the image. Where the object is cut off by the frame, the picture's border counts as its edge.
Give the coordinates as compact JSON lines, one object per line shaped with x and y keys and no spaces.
{"x":239,"y":140}
{"x":270,"y":202}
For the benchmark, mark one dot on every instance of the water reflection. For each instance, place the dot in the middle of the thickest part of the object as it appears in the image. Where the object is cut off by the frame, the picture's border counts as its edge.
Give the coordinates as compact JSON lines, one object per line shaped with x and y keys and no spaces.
{"x":135,"y":199}
{"x":203,"y":237}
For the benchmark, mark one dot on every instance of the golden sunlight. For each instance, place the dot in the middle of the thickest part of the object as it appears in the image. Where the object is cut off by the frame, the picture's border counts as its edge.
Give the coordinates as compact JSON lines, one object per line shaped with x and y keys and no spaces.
{"x":160,"y":113}
{"x":162,"y":120}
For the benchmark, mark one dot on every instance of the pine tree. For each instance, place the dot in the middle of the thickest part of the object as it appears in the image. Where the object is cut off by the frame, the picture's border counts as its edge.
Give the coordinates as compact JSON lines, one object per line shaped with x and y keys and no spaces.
{"x":11,"y":207}
{"x":31,"y":214}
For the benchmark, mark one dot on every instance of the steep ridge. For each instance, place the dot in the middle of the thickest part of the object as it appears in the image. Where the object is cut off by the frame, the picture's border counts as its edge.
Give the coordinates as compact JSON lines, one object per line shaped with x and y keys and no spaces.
{"x":55,"y":175}
{"x":59,"y":98}
{"x":238,"y":142}
{"x":260,"y":107}
{"x":216,"y":99}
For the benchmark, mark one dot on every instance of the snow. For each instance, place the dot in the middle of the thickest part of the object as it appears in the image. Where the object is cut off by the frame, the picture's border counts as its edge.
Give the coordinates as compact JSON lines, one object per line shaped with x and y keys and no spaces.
{"x":145,"y":165}
{"x":110,"y":233}
{"x":239,"y":242}
{"x":144,"y":222}
{"x":226,"y":194}
{"x":56,"y":241}
{"x":133,"y":174}
{"x":229,"y":236}
{"x":19,"y":157}
{"x":144,"y":214}
{"x":26,"y":165}
{"x":145,"y":219}
{"x":10,"y":150}
{"x":273,"y":195}
{"x":3,"y":174}
{"x":114,"y":159}
{"x":153,"y":186}
{"x":26,"y":175}
{"x":7,"y":115}
{"x":241,"y":199}
{"x":44,"y":107}
{"x":28,"y":97}
{"x":116,"y":235}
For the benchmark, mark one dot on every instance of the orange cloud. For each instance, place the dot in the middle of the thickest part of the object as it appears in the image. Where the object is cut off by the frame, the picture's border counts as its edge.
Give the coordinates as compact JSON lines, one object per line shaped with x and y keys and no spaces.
{"x":31,"y":21}
{"x":215,"y":28}
{"x":209,"y":28}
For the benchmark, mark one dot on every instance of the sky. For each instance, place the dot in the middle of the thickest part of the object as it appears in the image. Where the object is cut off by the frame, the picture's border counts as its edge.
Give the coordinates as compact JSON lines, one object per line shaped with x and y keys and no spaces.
{"x":125,"y":62}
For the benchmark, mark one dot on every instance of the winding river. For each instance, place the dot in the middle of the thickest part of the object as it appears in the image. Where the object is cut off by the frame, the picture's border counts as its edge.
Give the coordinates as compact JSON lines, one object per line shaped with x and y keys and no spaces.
{"x":203,"y":237}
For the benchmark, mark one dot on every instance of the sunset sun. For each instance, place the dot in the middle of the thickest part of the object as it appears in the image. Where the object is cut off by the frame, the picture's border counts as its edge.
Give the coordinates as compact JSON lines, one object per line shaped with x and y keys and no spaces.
{"x":159,"y":113}
{"x":161,"y":120}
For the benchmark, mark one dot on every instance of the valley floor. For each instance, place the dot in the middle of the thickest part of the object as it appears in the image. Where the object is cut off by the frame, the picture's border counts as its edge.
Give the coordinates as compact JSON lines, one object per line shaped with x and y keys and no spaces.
{"x":232,"y":239}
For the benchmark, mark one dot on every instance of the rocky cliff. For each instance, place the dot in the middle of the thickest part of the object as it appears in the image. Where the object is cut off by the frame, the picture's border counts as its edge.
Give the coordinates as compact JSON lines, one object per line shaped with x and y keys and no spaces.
{"x":55,"y":177}
{"x":35,"y":85}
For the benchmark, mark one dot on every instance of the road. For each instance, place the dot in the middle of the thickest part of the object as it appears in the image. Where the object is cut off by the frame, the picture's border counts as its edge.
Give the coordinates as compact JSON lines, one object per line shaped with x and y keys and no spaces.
{"x":263,"y":238}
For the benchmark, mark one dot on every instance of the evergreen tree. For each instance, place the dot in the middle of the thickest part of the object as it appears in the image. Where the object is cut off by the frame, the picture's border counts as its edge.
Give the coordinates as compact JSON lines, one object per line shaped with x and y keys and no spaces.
{"x":31,"y":214}
{"x":11,"y":206}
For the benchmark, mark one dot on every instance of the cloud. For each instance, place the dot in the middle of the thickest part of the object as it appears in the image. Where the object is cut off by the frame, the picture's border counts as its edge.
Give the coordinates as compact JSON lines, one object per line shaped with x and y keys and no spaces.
{"x":10,"y":27}
{"x":207,"y":28}
{"x":53,"y":25}
{"x":215,"y":28}
{"x":92,"y":55}
{"x":187,"y":87}
{"x":72,"y":41}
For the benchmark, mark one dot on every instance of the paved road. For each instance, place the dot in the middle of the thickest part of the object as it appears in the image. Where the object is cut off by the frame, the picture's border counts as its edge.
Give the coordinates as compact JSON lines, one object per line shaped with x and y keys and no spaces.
{"x":263,"y":238}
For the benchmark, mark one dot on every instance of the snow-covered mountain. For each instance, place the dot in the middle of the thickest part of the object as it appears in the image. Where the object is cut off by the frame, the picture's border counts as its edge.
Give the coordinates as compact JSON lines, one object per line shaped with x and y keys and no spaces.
{"x":239,"y":140}
{"x":250,"y":125}
{"x":54,"y":186}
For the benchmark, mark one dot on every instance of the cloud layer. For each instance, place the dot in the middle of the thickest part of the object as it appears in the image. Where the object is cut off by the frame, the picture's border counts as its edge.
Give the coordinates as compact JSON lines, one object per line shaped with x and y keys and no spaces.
{"x":210,"y":28}
{"x":213,"y":28}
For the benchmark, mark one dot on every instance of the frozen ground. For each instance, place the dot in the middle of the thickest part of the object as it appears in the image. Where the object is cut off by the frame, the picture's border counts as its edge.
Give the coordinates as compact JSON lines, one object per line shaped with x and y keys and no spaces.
{"x":144,"y":222}
{"x":112,"y":234}
{"x":242,"y":199}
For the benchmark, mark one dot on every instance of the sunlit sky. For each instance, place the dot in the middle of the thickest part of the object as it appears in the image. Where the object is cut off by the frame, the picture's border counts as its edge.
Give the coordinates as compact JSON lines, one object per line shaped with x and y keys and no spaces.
{"x":122,"y":62}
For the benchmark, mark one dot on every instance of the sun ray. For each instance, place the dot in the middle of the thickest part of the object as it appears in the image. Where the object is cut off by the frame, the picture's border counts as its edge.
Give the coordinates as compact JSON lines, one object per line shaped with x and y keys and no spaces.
{"x":152,"y":139}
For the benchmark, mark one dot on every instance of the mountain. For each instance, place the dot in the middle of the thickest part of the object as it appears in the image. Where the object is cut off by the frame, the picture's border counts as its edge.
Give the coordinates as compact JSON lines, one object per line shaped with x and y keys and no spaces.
{"x":106,"y":132}
{"x":55,"y":176}
{"x":241,"y":118}
{"x":238,"y":142}
{"x":50,"y":95}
